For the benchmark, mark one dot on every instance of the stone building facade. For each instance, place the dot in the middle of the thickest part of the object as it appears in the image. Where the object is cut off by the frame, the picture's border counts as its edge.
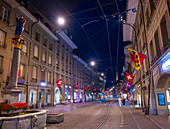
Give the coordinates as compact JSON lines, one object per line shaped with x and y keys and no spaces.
{"x":154,"y":75}
{"x":46,"y":57}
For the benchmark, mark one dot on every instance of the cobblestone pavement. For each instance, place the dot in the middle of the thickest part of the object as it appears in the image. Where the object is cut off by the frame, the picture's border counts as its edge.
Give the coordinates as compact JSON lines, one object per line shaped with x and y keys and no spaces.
{"x":90,"y":115}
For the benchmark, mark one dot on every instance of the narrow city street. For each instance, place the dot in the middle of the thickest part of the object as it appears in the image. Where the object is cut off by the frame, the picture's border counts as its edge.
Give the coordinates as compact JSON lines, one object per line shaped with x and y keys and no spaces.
{"x":106,"y":115}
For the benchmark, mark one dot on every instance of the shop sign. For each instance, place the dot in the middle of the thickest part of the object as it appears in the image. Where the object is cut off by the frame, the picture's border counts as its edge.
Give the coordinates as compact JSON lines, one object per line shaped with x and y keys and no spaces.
{"x":21,"y":81}
{"x":166,"y":66}
{"x":161,"y":99}
{"x":144,"y":88}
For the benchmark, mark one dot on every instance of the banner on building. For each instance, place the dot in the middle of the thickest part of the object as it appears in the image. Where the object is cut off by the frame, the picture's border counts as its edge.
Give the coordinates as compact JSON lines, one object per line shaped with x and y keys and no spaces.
{"x":94,"y":89}
{"x":59,"y":82}
{"x":136,"y":58}
{"x":76,"y":86}
{"x":129,"y":77}
{"x":88,"y":88}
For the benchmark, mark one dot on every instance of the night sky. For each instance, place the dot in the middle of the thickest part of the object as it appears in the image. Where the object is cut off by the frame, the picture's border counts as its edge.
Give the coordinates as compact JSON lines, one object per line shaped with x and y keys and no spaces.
{"x":93,"y":43}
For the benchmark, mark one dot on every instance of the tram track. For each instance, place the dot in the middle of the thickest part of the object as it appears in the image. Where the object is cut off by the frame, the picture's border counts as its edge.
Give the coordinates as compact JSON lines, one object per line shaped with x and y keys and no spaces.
{"x":105,"y":113}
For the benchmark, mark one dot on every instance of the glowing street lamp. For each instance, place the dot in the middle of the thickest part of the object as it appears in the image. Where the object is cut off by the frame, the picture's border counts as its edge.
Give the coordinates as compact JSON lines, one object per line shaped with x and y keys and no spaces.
{"x":102,"y":74}
{"x":61,"y":21}
{"x":92,"y":63}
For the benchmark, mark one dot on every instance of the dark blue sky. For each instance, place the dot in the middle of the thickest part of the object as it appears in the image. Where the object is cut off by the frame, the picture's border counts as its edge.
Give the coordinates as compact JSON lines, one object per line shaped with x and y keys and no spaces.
{"x":97,"y":31}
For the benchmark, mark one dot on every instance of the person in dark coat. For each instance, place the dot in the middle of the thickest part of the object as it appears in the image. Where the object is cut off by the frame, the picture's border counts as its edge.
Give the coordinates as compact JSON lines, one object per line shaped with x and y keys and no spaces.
{"x":123,"y":100}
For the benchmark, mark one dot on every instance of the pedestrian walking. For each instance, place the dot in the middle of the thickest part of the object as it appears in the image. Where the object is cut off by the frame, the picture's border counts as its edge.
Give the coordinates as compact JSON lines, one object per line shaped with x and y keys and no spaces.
{"x":120,"y":101}
{"x":123,"y":100}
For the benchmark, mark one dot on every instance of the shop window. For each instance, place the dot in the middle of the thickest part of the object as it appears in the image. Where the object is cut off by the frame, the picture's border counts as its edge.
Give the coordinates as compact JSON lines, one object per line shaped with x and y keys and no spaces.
{"x":4,"y":14}
{"x":2,"y":38}
{"x":37,"y":36}
{"x":34,"y":72}
{"x":36,"y":52}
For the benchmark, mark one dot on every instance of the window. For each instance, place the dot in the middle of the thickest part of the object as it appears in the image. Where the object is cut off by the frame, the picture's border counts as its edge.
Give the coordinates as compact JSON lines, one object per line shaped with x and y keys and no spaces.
{"x":21,"y":71}
{"x":49,"y":76}
{"x":164,"y":31}
{"x":4,"y":14}
{"x":157,"y":43}
{"x":1,"y":59}
{"x":37,"y":36}
{"x":44,"y":42}
{"x":43,"y":75}
{"x":43,"y":56}
{"x":49,"y":59}
{"x":56,"y":62}
{"x":151,"y":49}
{"x":2,"y":38}
{"x":34,"y":72}
{"x":152,"y":6}
{"x":35,"y":51}
{"x":24,"y":48}
{"x":51,"y":46}
{"x":26,"y":28}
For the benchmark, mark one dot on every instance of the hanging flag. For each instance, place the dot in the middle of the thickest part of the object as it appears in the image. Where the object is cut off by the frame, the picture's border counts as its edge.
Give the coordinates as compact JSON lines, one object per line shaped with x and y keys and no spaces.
{"x":19,"y":71}
{"x":103,"y":91}
{"x":94,"y":89}
{"x":129,"y":77}
{"x":59,"y":82}
{"x":127,"y":85}
{"x":136,"y":58}
{"x":88,"y":88}
{"x":76,"y":86}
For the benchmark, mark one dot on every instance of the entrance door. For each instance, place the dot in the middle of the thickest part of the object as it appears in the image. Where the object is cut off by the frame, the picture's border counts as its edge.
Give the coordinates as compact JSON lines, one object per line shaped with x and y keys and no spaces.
{"x":168,"y":98}
{"x":57,"y":95}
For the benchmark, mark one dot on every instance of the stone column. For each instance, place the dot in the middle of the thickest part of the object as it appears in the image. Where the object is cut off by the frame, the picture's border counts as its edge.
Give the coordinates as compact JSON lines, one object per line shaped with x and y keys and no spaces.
{"x":11,"y":92}
{"x":63,"y":90}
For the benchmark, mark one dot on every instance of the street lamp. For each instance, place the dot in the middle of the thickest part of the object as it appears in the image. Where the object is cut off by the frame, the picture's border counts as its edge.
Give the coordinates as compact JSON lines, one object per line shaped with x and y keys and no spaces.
{"x":92,"y":63}
{"x":61,"y":21}
{"x":102,"y":74}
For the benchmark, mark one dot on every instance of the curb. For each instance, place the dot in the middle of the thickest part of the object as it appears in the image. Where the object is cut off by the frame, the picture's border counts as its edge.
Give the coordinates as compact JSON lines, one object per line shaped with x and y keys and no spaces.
{"x":156,"y":123}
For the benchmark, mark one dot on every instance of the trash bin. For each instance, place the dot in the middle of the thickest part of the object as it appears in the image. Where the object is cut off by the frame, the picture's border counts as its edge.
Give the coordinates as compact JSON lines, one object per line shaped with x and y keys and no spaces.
{"x":39,"y":104}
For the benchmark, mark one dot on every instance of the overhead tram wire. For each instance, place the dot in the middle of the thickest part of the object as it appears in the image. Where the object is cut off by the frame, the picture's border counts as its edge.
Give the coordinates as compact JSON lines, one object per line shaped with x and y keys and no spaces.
{"x":90,"y":9}
{"x":108,"y":37}
{"x":82,"y":28}
{"x":118,"y":37}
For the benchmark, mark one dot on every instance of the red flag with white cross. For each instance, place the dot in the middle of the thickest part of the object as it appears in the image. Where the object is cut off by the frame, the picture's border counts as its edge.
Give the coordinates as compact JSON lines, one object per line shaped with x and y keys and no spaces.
{"x":129,"y":77}
{"x":59,"y":82}
{"x":94,"y":89}
{"x":76,"y":86}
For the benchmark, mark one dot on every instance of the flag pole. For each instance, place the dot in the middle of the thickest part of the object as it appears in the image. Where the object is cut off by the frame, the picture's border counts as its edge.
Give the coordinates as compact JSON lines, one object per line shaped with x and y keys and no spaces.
{"x":140,"y":52}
